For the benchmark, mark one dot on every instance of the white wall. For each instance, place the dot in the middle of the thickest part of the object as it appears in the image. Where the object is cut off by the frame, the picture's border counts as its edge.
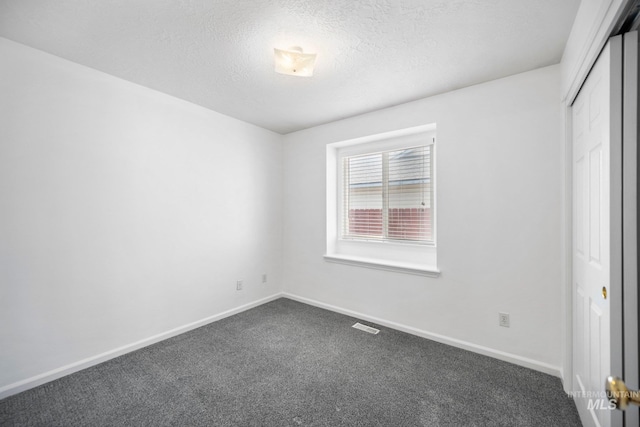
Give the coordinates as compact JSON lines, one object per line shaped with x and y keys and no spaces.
{"x":124,"y":213}
{"x":499,"y":198}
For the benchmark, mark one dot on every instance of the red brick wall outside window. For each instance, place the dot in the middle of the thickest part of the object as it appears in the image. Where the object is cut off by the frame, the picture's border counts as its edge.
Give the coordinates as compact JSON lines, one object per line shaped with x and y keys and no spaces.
{"x":404,"y":223}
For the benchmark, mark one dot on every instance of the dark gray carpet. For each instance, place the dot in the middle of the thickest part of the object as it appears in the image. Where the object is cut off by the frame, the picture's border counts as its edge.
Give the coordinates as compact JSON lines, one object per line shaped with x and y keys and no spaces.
{"x":289,"y":364}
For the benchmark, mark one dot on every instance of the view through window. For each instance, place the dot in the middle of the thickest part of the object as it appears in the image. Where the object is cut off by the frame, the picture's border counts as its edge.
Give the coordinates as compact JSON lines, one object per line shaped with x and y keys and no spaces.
{"x":388,"y":195}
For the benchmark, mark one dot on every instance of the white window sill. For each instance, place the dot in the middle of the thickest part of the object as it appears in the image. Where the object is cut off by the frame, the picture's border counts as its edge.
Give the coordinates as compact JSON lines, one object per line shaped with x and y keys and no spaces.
{"x":400,"y":267}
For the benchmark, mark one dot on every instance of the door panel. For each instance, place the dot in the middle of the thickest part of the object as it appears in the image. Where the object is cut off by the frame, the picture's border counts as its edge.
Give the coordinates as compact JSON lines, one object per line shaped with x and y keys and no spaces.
{"x":595,"y":204}
{"x":591,"y":255}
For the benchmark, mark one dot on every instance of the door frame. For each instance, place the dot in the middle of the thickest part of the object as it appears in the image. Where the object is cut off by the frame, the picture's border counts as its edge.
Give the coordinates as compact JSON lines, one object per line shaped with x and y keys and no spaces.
{"x":630,"y":326}
{"x":623,"y":285}
{"x":609,"y":20}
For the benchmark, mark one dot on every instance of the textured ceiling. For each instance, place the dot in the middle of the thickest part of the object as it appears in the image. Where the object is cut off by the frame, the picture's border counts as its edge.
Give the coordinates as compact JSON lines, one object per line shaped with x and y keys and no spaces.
{"x":371,"y":53}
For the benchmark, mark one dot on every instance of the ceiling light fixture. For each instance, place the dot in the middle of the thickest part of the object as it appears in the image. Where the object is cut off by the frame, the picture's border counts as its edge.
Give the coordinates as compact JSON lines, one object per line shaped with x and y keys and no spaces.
{"x":293,"y":62}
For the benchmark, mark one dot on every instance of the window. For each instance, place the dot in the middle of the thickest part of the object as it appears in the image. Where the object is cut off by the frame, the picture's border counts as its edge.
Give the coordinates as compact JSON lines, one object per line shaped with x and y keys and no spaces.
{"x":388,"y":195}
{"x":381,"y":201}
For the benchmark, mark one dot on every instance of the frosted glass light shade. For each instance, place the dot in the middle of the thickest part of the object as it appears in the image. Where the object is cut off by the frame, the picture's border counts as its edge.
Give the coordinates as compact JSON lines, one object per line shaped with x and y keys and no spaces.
{"x":293,"y":62}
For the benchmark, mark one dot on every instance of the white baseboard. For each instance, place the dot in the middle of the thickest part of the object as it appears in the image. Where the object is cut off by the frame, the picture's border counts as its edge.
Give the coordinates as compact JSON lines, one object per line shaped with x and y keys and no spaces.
{"x":54,"y":374}
{"x":566,"y":382}
{"x":497,"y":354}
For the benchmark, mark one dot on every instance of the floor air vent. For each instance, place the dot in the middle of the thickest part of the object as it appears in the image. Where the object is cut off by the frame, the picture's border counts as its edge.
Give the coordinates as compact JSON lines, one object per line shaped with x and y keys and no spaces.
{"x":366,"y":328}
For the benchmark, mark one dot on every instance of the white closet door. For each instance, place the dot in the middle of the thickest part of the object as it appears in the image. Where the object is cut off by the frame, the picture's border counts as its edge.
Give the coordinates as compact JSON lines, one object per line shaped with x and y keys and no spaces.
{"x":596,"y":284}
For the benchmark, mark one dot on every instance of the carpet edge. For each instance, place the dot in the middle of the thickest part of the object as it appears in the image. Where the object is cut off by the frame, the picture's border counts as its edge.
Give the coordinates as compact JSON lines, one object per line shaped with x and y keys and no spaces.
{"x":536,"y":365}
{"x":54,"y":374}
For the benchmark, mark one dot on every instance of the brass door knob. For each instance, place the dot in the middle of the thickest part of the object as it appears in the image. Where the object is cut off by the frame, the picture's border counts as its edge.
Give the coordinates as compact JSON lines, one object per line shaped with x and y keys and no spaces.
{"x":619,"y":394}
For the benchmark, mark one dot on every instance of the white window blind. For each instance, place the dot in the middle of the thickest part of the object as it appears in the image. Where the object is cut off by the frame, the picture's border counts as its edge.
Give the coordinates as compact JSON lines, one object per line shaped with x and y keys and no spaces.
{"x":388,"y":195}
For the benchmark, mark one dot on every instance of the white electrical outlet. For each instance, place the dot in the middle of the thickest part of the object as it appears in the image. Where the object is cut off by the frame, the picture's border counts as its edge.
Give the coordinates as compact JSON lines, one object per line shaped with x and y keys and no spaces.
{"x":264,"y":278}
{"x":503,"y":319}
{"x":239,"y":285}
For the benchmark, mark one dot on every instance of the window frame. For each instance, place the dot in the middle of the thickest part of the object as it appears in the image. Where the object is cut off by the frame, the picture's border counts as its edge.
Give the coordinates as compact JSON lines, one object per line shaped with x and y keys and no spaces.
{"x":395,"y":255}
